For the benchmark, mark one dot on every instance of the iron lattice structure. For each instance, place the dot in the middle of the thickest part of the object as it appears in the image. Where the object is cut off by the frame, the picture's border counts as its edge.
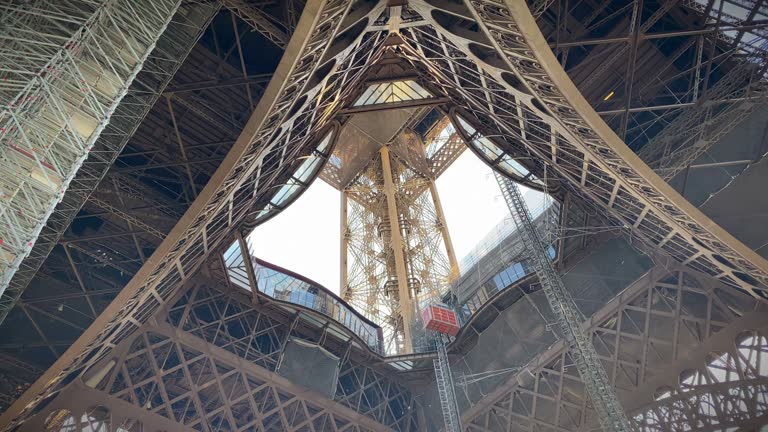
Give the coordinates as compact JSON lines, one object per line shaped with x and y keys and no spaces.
{"x":446,"y":388}
{"x":509,"y":99}
{"x":718,"y":335}
{"x":171,"y":49}
{"x":692,"y":133}
{"x":567,"y":315}
{"x":56,"y":100}
{"x":393,"y":234}
{"x":210,"y":364}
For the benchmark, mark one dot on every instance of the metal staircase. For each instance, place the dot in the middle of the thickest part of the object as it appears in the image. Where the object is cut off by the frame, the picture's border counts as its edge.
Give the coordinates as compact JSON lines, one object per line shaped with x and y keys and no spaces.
{"x":445,"y":386}
{"x":569,"y":318}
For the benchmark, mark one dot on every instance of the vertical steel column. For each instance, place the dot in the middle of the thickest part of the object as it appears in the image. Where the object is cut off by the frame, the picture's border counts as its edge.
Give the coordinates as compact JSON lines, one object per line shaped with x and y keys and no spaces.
{"x":398,"y":248}
{"x":454,"y":263}
{"x":343,"y":261}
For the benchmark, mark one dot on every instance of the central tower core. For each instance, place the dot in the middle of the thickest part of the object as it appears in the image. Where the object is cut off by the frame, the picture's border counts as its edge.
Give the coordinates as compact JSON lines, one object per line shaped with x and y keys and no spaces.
{"x":396,"y":253}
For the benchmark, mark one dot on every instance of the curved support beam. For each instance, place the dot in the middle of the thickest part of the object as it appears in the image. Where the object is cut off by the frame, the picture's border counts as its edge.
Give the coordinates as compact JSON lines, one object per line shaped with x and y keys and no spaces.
{"x":322,"y":61}
{"x":536,"y":101}
{"x":651,"y":336}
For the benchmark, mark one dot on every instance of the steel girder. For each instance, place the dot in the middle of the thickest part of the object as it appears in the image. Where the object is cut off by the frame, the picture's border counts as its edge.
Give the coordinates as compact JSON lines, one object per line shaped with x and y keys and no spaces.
{"x":674,"y":347}
{"x":210,"y":364}
{"x":503,"y":74}
{"x":326,"y":55}
{"x":511,"y":85}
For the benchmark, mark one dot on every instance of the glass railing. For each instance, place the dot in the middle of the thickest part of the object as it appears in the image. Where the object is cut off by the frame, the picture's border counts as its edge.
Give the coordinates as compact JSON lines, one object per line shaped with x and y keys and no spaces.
{"x":498,"y":262}
{"x":286,"y":286}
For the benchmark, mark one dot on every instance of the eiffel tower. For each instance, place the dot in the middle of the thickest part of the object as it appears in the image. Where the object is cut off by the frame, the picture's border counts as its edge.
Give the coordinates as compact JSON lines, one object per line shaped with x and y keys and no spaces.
{"x":163,"y":319}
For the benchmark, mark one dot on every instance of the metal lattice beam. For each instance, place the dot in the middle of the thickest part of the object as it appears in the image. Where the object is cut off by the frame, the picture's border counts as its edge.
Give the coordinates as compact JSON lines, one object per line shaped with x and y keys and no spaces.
{"x":259,"y":20}
{"x":562,"y":130}
{"x":249,"y":166}
{"x":508,"y":86}
{"x":568,"y":316}
{"x":659,"y":317}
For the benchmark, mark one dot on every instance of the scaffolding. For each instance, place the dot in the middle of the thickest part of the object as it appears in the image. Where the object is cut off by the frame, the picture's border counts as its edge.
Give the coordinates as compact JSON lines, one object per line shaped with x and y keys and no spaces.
{"x":568,"y":317}
{"x":65,"y":66}
{"x":693,"y":132}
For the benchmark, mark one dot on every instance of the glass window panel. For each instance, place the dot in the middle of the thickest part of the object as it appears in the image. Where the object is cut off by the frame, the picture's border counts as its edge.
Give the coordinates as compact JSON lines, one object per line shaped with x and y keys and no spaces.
{"x":285,"y":192}
{"x":307,"y":169}
{"x":365,"y":96}
{"x":325,"y":143}
{"x":396,"y":91}
{"x":512,"y":166}
{"x":467,"y":127}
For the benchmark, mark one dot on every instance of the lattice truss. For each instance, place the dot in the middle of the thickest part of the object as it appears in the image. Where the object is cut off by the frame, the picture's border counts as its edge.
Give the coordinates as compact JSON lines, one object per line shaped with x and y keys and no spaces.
{"x":696,"y":130}
{"x":283,"y":130}
{"x":443,"y":145}
{"x":371,"y":261}
{"x":491,"y":59}
{"x":427,"y":261}
{"x":212,"y":367}
{"x":503,"y":79}
{"x":56,"y":99}
{"x":371,"y":282}
{"x":676,"y":350}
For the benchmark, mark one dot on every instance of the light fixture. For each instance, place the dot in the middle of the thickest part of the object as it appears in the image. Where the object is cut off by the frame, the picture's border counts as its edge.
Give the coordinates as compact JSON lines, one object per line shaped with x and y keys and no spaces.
{"x":609,"y":95}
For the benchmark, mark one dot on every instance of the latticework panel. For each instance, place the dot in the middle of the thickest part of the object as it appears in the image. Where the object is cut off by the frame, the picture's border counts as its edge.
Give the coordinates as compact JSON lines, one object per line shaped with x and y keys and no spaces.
{"x":223,"y":321}
{"x":645,"y":341}
{"x":426,"y":257}
{"x":729,"y":388}
{"x":490,"y":56}
{"x":283,"y":127}
{"x":66,"y":65}
{"x":370,"y":258}
{"x":170,"y":51}
{"x":227,"y":323}
{"x":372,"y":276}
{"x":371,"y":393}
{"x":198,"y":389}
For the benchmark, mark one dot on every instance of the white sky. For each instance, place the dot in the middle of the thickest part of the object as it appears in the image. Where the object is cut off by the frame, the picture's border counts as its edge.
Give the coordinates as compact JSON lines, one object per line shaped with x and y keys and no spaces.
{"x":472,"y":201}
{"x":305,"y":237}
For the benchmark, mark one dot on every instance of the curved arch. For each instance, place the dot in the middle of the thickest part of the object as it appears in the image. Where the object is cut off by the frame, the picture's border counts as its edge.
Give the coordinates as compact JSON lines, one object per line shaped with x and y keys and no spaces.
{"x":494,"y":156}
{"x":303,"y":176}
{"x":596,"y":137}
{"x":601,"y":167}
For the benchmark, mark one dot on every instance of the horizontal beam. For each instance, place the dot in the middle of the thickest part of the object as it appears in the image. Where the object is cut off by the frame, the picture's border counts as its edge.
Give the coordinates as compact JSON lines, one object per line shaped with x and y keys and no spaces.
{"x":167,"y":165}
{"x":678,"y":105}
{"x":657,"y":35}
{"x":721,"y":164}
{"x":217,"y":84}
{"x":396,"y":105}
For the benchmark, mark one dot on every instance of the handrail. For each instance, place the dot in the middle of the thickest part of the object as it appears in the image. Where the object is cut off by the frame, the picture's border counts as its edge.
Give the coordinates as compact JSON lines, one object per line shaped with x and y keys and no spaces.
{"x":287,"y":286}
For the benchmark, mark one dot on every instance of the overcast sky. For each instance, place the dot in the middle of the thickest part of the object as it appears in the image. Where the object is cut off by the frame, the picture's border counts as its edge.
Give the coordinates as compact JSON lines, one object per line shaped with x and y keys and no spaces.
{"x":305,"y":237}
